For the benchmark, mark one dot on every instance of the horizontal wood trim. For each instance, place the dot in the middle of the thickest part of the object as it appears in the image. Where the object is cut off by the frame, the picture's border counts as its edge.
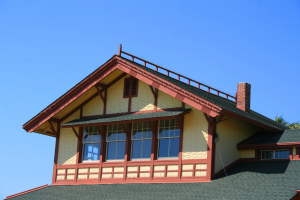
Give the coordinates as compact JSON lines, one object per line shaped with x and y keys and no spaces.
{"x":269,"y":146}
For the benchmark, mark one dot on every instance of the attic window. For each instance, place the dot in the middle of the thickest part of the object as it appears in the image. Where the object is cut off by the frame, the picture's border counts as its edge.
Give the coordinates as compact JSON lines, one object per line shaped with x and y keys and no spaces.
{"x":274,"y":154}
{"x":130,"y":87}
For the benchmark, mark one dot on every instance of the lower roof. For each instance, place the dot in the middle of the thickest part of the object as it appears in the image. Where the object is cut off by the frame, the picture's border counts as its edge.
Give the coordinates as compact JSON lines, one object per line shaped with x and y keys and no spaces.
{"x":257,"y":180}
{"x":127,"y":118}
{"x":287,"y":136}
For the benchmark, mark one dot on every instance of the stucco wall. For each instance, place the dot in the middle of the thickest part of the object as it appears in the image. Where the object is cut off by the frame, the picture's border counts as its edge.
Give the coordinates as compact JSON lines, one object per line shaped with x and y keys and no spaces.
{"x":94,"y":107}
{"x":68,"y":143}
{"x":230,"y":133}
{"x":194,"y":135}
{"x":247,"y":153}
{"x":144,"y":100}
{"x":166,"y":101}
{"x":115,"y":101}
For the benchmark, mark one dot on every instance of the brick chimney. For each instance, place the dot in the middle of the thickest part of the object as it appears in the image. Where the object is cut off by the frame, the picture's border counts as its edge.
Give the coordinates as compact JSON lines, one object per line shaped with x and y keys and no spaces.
{"x":243,"y":96}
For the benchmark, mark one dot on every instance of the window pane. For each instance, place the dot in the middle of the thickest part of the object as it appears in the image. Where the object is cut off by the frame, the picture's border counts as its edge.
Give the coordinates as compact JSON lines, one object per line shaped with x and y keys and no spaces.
{"x":167,"y":123}
{"x":174,"y":147}
{"x":120,"y":150}
{"x":87,"y":152}
{"x":96,"y":151}
{"x":86,"y":129}
{"x":172,"y":133}
{"x":161,"y":123}
{"x":163,"y":148}
{"x":109,"y":137}
{"x":139,"y":135}
{"x":90,"y":138}
{"x":136,"y":149}
{"x":177,"y":132}
{"x":90,"y":129}
{"x":113,"y":136}
{"x":278,"y":154}
{"x":286,"y":154}
{"x":134,"y":134}
{"x":85,"y":137}
{"x":173,"y":123}
{"x":119,"y":136}
{"x":96,"y":138}
{"x":140,"y":125}
{"x":150,"y":134}
{"x":166,"y":133}
{"x":161,"y":133}
{"x":145,"y":135}
{"x":123,"y":136}
{"x":111,"y":150}
{"x":146,"y":148}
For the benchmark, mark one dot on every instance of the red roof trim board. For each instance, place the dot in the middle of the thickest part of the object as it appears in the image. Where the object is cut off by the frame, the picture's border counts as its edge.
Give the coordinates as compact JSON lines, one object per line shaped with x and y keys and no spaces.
{"x":27,"y":191}
{"x":269,"y":146}
{"x":134,"y":71}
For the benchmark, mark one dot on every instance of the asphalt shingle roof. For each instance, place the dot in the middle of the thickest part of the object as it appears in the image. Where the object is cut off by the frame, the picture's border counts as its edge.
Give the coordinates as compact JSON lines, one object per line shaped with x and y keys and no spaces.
{"x":126,"y":117}
{"x":287,"y":135}
{"x":259,"y":180}
{"x":217,"y":100}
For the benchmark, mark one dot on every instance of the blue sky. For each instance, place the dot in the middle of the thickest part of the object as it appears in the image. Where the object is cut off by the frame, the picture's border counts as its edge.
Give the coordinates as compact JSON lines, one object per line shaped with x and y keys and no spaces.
{"x":48,"y":47}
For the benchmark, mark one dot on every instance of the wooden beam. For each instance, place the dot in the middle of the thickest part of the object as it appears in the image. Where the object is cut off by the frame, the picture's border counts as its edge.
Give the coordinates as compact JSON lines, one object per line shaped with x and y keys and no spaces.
{"x":54,"y":120}
{"x":125,"y":131}
{"x":52,"y":128}
{"x":151,"y":128}
{"x":225,"y":119}
{"x":75,"y":132}
{"x":99,"y":92}
{"x":92,"y":97}
{"x":153,"y":92}
{"x":178,"y":124}
{"x":220,"y":118}
{"x":101,"y":85}
{"x":207,"y":119}
{"x":99,"y":131}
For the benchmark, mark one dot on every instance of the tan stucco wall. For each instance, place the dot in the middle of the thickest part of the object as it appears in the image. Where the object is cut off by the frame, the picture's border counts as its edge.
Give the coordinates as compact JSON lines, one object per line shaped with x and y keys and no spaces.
{"x":194,"y":135}
{"x":115,"y":101}
{"x":68,"y":143}
{"x":144,"y":100}
{"x":231,"y":132}
{"x":94,"y":107}
{"x":166,"y":101}
{"x":247,"y":153}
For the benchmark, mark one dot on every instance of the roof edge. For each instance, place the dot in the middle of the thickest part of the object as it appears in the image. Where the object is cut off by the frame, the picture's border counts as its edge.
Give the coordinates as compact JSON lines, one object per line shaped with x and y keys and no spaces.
{"x":27,"y":191}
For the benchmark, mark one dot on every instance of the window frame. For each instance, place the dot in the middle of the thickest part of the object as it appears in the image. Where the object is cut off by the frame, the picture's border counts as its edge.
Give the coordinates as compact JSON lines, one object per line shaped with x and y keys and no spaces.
{"x":158,"y":140}
{"x":130,"y":87}
{"x":274,"y":154}
{"x":106,"y":149}
{"x":131,"y":140}
{"x":83,"y":145}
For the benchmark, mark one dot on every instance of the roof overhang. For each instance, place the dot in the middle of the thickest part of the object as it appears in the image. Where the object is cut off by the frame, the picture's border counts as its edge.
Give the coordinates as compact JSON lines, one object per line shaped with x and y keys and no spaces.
{"x":269,"y":146}
{"x":126,"y":118}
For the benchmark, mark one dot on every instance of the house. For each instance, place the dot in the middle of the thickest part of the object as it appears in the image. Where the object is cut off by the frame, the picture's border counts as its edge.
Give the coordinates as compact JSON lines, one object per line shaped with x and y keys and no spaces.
{"x":131,"y":121}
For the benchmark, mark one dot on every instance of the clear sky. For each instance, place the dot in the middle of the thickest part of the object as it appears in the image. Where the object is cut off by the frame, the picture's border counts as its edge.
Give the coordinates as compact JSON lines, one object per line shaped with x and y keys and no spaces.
{"x":46,"y":47}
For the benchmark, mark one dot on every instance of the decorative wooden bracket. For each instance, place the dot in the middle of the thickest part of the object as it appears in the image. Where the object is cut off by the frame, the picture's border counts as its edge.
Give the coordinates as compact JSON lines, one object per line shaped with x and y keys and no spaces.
{"x":75,"y":132}
{"x":102,"y":85}
{"x":99,"y":131}
{"x":151,"y":128}
{"x":205,"y":115}
{"x":125,"y":131}
{"x":178,"y":124}
{"x":52,"y":128}
{"x":153,"y":92}
{"x":99,"y":92}
{"x":220,"y":119}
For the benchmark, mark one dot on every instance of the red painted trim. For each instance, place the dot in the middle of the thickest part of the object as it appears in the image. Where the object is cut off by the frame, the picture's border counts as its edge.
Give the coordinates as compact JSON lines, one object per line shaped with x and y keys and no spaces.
{"x":27,"y":191}
{"x":169,"y":88}
{"x":127,"y":113}
{"x":180,"y":145}
{"x":71,"y":95}
{"x":227,"y":168}
{"x":127,"y":121}
{"x":269,"y":146}
{"x":75,"y":133}
{"x":210,"y":148}
{"x":52,"y":128}
{"x":56,"y":154}
{"x":105,"y":102}
{"x":99,"y":92}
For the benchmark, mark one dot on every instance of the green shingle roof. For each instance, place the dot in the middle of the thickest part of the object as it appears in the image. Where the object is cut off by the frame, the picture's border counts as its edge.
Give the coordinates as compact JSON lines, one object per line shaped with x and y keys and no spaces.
{"x":259,"y":180}
{"x":217,"y":100}
{"x":287,"y":135}
{"x":129,"y":117}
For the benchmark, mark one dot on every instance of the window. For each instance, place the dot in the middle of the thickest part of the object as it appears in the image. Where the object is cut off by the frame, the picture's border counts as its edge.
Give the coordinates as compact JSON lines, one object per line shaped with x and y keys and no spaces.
{"x":274,"y":154}
{"x":116,"y":142}
{"x":130,"y":87}
{"x":141,"y":141}
{"x":91,"y":143}
{"x":168,"y":139}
